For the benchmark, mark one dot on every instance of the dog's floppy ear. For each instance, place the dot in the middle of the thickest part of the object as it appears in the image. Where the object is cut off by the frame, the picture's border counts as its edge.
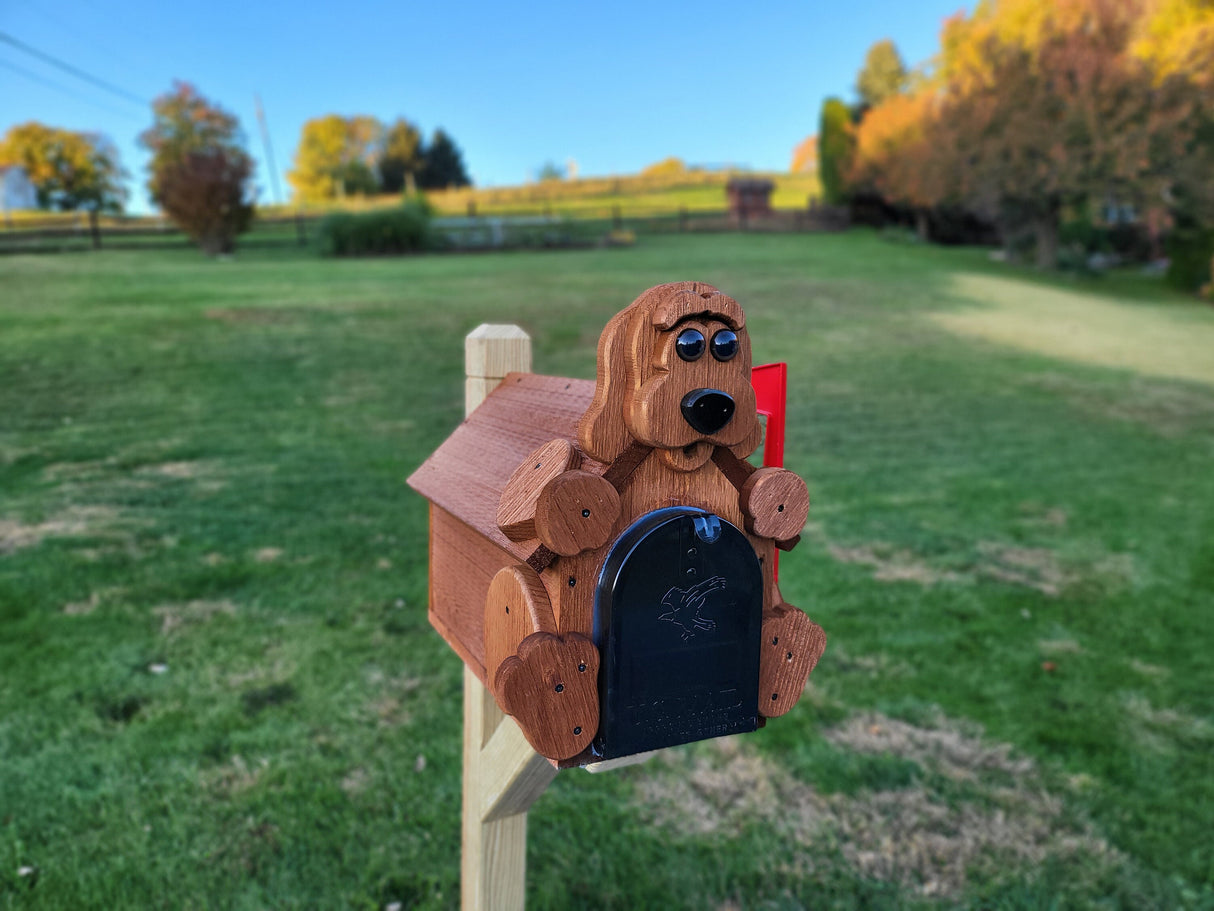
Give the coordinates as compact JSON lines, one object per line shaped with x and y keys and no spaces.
{"x":601,"y":431}
{"x":624,"y":349}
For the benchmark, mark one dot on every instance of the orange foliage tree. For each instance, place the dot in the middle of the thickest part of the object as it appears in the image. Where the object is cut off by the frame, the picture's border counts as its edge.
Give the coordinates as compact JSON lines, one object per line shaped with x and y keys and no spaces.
{"x":1037,"y":108}
{"x":895,"y":156}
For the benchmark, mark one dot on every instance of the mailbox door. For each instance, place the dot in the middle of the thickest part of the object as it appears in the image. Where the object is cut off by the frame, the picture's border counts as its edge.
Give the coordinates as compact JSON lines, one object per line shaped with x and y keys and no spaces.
{"x":677,"y":617}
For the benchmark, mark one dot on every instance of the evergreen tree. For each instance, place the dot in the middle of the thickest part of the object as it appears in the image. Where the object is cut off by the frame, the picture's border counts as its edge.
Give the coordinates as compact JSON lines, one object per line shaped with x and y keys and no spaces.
{"x":444,"y":165}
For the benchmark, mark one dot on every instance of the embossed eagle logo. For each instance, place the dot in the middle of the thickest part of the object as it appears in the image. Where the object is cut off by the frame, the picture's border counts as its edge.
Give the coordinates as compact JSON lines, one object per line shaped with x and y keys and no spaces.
{"x":683,"y":606}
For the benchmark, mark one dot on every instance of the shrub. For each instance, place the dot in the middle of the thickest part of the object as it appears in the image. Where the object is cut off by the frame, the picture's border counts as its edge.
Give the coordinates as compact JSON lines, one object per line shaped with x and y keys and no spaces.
{"x":204,"y":193}
{"x":836,"y":147}
{"x":405,"y":229}
{"x":1190,"y":254}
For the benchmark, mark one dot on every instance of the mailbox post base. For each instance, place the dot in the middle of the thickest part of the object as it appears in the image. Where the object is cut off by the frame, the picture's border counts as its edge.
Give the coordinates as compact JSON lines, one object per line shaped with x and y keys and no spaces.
{"x":503,"y":776}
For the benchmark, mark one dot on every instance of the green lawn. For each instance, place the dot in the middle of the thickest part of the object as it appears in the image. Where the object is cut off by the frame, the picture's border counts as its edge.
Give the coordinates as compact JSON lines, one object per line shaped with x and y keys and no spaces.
{"x":218,"y":687}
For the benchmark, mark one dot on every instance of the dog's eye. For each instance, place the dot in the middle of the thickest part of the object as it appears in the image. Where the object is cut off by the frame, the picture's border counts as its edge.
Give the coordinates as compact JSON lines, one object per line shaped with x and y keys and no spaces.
{"x":724,"y":344}
{"x":690,"y":344}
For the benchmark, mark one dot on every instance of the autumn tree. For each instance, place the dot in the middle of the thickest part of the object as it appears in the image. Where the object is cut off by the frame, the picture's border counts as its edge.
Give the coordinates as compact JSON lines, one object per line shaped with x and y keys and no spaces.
{"x":805,"y":156}
{"x":444,"y":165}
{"x":1045,"y":109}
{"x":883,"y":76}
{"x":69,"y":170}
{"x":401,"y":154}
{"x":337,"y":156}
{"x":667,"y":167}
{"x":200,"y":173}
{"x":836,"y":143}
{"x":896,"y":156}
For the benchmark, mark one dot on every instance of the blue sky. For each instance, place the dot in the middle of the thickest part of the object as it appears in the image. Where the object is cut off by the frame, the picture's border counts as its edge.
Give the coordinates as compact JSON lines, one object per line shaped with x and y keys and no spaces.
{"x":612,"y":86}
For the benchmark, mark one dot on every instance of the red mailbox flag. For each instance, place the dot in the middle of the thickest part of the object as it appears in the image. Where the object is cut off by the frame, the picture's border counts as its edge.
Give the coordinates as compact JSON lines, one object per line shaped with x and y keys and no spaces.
{"x":771,"y":396}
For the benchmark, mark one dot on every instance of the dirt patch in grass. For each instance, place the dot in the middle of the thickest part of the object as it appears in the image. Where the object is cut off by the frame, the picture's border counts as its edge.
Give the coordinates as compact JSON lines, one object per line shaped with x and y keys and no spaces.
{"x":1037,"y":514}
{"x":926,"y":841}
{"x":1149,"y":670}
{"x":1032,"y":567}
{"x":1038,"y":568}
{"x":76,"y":521}
{"x":356,"y":781}
{"x":891,"y":564}
{"x":390,"y":705}
{"x":874,"y":665}
{"x":92,"y":602}
{"x":1161,"y":728}
{"x":267,"y":554}
{"x":1169,"y":409}
{"x":235,"y":776}
{"x":174,"y":617}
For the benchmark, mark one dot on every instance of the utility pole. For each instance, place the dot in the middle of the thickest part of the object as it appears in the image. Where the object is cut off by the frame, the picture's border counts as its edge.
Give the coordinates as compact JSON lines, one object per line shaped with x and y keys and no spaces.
{"x":265,"y":141}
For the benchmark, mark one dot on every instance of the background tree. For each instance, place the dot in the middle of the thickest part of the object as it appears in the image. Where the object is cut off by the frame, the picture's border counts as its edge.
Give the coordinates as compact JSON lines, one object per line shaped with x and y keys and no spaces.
{"x":882,"y":76}
{"x":896,"y":157}
{"x":1045,"y":111}
{"x":184,"y":121}
{"x":200,"y":173}
{"x":204,"y":192}
{"x":805,"y":156}
{"x":444,"y":164}
{"x":550,"y":170}
{"x":337,"y":156}
{"x":667,"y":167}
{"x":836,"y":142}
{"x":69,"y":170}
{"x":401,"y":154}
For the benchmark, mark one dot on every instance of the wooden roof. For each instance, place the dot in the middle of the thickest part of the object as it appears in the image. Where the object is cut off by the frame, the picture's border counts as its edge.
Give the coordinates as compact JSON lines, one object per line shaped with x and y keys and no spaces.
{"x":466,"y":474}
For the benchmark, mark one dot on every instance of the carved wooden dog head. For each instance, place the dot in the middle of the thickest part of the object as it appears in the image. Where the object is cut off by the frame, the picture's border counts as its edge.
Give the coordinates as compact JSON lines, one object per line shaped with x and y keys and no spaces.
{"x":674,"y":374}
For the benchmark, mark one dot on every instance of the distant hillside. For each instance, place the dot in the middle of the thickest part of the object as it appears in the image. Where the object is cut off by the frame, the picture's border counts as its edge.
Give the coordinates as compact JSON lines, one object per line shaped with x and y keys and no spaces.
{"x":636,"y":196}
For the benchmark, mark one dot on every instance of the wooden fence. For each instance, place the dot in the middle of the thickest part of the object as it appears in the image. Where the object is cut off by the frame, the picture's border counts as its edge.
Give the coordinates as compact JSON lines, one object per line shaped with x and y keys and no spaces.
{"x":471,"y":231}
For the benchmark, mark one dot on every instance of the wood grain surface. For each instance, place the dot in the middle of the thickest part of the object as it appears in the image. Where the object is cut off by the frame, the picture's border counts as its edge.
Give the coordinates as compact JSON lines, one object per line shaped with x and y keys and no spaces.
{"x":775,"y":503}
{"x":516,"y":508}
{"x":551,"y":689}
{"x":789,"y":650}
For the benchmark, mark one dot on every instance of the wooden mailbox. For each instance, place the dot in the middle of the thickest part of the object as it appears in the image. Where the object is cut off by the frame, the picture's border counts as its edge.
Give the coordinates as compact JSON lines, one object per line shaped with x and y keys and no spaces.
{"x":602,"y":554}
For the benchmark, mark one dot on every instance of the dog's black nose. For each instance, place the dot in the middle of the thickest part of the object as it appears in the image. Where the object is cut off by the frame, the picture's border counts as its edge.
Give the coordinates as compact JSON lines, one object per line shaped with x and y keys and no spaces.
{"x":707,"y":410}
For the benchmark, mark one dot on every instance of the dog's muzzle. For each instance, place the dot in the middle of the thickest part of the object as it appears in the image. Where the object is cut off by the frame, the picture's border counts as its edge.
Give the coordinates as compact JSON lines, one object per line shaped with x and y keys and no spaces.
{"x":707,"y":410}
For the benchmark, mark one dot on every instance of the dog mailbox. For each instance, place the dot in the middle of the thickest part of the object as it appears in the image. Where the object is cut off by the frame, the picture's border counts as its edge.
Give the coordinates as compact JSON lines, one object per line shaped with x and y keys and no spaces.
{"x":603,"y":554}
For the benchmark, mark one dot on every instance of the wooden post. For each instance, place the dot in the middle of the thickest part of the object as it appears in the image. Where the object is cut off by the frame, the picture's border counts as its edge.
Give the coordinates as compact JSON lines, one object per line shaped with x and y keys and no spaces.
{"x":503,"y":776}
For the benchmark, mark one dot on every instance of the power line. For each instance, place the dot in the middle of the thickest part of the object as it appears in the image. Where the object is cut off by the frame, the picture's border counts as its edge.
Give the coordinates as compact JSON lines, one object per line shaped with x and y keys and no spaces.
{"x":68,"y":68}
{"x":50,"y":84}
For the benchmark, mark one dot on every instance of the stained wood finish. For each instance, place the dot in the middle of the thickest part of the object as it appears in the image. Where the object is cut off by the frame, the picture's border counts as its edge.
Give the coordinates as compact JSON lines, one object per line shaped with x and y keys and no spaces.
{"x":462,"y":565}
{"x":641,"y":380}
{"x":576,"y":512}
{"x":515,"y":607}
{"x":790,"y":649}
{"x":516,"y":509}
{"x":776,"y":503}
{"x":551,"y":689}
{"x":467,"y":474}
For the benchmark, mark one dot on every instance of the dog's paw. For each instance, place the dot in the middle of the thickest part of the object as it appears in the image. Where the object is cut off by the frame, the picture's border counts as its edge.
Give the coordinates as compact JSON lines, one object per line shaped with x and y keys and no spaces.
{"x":775,"y":504}
{"x":551,"y":689}
{"x":576,"y":512}
{"x":791,"y":647}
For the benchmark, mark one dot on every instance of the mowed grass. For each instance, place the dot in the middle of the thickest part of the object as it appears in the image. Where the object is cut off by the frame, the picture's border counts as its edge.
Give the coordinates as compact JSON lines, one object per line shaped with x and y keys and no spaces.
{"x":218,"y":687}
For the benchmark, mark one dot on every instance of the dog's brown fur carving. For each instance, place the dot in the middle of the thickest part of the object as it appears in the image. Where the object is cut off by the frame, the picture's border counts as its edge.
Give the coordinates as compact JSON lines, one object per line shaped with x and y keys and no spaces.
{"x":642,"y":380}
{"x":673,"y":418}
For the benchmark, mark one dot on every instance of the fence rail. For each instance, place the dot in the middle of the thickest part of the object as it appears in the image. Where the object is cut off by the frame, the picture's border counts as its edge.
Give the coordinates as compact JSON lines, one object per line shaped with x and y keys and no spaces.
{"x":54,"y":235}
